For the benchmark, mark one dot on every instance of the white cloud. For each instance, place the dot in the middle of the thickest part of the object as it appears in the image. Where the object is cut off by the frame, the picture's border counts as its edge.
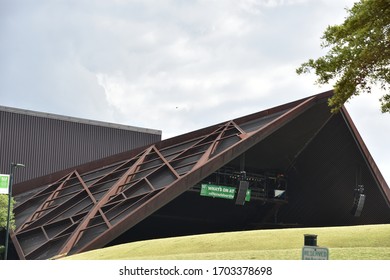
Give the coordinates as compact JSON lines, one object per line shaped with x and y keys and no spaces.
{"x":256,"y":5}
{"x":170,"y":65}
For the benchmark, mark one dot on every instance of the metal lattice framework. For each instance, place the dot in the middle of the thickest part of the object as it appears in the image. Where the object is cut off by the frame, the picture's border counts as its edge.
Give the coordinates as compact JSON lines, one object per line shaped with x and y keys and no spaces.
{"x":73,"y":214}
{"x":85,"y":210}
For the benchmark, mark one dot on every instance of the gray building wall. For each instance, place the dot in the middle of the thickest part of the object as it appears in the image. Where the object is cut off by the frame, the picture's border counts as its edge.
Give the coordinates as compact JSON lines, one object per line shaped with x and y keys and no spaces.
{"x":47,"y":143}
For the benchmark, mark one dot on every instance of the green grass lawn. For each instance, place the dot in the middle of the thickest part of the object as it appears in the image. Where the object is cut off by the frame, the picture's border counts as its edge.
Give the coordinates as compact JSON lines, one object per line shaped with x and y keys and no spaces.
{"x":370,"y":242}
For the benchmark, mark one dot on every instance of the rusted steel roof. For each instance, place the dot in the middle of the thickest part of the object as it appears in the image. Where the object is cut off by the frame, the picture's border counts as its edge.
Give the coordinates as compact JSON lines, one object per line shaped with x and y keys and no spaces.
{"x":89,"y":206}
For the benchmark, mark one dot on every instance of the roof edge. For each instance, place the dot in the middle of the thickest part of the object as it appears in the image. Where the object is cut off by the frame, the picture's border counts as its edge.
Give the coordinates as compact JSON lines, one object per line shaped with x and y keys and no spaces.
{"x":367,"y":155}
{"x":318,"y":97}
{"x":190,"y":135}
{"x":79,"y":120}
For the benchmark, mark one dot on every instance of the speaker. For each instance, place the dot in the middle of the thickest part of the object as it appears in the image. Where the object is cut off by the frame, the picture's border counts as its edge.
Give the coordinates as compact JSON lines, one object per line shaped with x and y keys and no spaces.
{"x":242,"y":189}
{"x":358,"y":204}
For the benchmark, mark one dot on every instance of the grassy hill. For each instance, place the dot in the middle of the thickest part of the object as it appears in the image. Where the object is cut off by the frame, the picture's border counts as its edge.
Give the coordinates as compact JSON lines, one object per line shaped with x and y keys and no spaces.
{"x":370,"y":242}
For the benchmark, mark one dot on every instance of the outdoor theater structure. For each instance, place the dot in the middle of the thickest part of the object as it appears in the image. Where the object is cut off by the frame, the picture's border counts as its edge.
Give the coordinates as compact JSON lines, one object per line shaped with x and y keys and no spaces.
{"x":294,"y":165}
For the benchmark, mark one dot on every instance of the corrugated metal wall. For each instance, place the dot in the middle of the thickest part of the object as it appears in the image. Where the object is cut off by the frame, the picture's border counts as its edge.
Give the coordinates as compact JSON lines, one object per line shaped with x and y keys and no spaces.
{"x":49,"y":144}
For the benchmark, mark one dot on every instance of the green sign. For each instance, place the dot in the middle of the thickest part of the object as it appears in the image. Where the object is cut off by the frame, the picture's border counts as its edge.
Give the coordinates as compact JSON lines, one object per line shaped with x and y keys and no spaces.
{"x":224,"y":192}
{"x":4,"y":183}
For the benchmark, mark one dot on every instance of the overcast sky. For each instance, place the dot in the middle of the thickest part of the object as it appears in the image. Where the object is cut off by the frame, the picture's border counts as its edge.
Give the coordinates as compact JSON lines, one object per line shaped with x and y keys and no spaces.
{"x":172,"y":65}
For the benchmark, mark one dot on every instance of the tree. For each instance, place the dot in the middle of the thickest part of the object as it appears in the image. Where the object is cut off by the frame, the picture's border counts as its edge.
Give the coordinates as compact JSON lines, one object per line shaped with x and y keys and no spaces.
{"x":359,"y":55}
{"x":4,"y":212}
{"x":3,"y":217}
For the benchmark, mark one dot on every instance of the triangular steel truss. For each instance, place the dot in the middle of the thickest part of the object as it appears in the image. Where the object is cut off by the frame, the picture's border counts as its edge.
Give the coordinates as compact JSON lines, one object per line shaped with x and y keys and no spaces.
{"x":74,"y":213}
